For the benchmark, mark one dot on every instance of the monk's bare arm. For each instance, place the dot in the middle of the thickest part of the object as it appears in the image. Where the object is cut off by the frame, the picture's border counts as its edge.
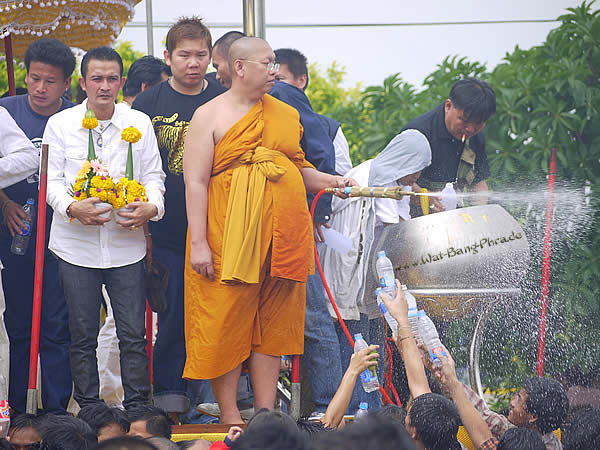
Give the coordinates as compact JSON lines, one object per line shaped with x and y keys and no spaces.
{"x":197,"y":166}
{"x":314,"y":180}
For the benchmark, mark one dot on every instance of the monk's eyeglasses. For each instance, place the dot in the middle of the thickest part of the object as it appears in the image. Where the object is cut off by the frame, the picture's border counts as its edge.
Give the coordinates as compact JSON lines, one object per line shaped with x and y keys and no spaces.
{"x":271,"y":67}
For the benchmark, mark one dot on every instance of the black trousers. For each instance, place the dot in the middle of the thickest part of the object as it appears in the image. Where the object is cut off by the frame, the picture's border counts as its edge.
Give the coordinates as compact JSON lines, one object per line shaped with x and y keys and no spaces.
{"x":83,"y":292}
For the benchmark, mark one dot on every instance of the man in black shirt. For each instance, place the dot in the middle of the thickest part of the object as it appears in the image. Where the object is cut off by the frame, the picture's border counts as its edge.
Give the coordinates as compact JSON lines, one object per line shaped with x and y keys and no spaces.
{"x":457,"y":146}
{"x":171,"y":105}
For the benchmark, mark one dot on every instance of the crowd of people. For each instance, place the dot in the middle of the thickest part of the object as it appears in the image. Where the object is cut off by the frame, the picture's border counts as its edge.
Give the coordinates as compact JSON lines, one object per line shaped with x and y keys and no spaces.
{"x":230,"y":164}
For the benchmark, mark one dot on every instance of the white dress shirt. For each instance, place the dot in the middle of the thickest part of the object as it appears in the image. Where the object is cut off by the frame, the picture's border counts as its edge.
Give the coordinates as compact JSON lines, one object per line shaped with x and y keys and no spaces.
{"x":109,"y":245}
{"x":343,"y":163}
{"x":18,"y":156}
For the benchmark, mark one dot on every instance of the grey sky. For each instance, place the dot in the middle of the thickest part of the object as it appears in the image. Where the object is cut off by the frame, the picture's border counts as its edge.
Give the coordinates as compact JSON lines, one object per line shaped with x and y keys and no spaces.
{"x":369,"y":54}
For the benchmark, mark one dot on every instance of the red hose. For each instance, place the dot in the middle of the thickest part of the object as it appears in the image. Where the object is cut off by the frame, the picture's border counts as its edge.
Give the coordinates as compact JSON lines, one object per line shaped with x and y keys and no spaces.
{"x":546,"y":264}
{"x":40,"y":245}
{"x":386,"y":397}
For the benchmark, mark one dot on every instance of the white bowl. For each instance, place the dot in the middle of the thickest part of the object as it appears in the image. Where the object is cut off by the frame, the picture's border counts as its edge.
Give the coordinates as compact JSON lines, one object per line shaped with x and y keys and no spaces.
{"x":104,"y":205}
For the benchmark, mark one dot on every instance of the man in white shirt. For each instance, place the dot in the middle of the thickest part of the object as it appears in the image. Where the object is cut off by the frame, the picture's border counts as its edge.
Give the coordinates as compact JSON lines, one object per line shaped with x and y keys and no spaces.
{"x":19,"y":158}
{"x":94,"y":250}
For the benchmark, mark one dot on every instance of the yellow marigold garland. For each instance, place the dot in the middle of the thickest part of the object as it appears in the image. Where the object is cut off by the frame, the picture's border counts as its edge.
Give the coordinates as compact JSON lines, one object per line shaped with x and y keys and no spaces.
{"x":89,"y":120}
{"x":131,"y":135}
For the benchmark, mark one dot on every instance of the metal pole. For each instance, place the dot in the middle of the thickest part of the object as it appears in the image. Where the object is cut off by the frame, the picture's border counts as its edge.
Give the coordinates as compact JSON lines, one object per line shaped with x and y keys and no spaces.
{"x":475,"y":349}
{"x":40,"y":244}
{"x":546,"y":265}
{"x":149,"y":28}
{"x":254,"y":18}
{"x":10,"y":68}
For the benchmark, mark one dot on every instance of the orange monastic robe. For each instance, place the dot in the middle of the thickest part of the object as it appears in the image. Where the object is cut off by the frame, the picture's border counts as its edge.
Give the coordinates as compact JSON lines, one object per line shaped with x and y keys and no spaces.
{"x":260,"y":234}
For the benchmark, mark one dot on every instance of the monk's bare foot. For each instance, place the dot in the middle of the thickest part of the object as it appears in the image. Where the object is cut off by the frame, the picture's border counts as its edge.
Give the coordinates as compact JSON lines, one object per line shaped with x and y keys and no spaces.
{"x":231,"y":418}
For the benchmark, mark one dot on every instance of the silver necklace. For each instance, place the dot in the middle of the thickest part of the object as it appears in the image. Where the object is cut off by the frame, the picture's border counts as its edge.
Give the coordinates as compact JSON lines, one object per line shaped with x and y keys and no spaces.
{"x":100,"y":130}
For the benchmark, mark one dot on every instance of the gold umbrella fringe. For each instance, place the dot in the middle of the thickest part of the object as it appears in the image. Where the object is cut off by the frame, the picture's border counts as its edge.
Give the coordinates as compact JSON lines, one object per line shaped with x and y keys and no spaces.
{"x":79,"y":23}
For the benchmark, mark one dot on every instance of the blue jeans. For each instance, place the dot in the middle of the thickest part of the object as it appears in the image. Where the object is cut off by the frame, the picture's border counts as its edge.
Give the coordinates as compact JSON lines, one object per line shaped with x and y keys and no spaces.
{"x":321,"y":347}
{"x":83,"y":292}
{"x":18,"y":282}
{"x":168,"y":358}
{"x":368,"y":330}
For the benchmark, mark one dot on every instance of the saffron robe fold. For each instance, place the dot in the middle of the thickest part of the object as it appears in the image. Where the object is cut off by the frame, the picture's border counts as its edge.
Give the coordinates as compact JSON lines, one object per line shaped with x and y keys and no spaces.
{"x":260,"y":234}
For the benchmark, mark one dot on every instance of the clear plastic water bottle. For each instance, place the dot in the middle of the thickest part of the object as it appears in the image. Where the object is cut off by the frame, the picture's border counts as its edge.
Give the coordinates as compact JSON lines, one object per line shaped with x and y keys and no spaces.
{"x":20,"y":242}
{"x":4,"y":408}
{"x":413,"y":314}
{"x":449,"y":197}
{"x":362,"y":411}
{"x":386,"y":275}
{"x":431,"y":339}
{"x":393,"y":323}
{"x":419,"y":338}
{"x":368,"y":377}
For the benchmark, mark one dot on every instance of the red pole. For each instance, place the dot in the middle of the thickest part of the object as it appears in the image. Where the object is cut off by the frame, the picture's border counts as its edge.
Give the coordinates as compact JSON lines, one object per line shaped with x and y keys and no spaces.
{"x":149,"y":334}
{"x":546,"y":264}
{"x":10,"y":68}
{"x":40,"y":246}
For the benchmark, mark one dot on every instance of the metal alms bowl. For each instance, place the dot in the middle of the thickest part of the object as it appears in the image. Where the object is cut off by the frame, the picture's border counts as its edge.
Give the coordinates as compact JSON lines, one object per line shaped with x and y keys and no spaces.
{"x":454,"y":260}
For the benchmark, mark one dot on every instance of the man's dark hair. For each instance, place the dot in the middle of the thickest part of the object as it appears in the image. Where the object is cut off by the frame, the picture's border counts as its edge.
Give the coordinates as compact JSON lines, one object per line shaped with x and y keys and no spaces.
{"x":584,"y":430}
{"x":273,"y":436}
{"x":475,"y":97}
{"x":521,"y":439}
{"x":52,"y":52}
{"x":126,"y":442}
{"x":295,"y":60}
{"x":21,"y":421}
{"x":436,"y":420}
{"x":100,"y":54}
{"x":391,"y":412}
{"x":188,"y":28}
{"x":66,"y":433}
{"x":157,"y":420}
{"x":225,"y":41}
{"x":100,"y":415}
{"x":147,"y":69}
{"x":312,"y":429}
{"x":547,"y":399}
{"x":369,"y":432}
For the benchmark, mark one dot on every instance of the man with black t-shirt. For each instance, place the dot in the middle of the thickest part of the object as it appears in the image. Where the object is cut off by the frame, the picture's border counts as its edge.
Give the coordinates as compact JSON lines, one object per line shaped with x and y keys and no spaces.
{"x":453,"y":130}
{"x":171,"y":105}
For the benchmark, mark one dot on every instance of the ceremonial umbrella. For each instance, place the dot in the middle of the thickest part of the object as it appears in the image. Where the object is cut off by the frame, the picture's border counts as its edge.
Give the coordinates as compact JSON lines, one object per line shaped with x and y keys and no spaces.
{"x":78,"y":23}
{"x":83,"y":24}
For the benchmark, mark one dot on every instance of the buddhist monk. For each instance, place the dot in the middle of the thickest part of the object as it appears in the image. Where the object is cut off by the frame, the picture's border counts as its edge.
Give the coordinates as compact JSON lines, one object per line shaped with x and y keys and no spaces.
{"x":249,"y":245}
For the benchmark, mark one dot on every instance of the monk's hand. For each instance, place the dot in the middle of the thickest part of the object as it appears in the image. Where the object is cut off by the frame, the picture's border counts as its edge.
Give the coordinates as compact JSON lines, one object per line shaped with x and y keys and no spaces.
{"x":137,"y":214}
{"x":201,"y":260}
{"x":86,"y":212}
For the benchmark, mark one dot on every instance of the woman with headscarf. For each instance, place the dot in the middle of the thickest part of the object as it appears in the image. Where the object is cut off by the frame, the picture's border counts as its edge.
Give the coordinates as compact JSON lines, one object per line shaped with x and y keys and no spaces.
{"x":362,"y":220}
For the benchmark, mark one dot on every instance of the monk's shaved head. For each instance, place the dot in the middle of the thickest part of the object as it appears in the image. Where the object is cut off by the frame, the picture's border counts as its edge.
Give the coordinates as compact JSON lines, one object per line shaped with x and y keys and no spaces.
{"x":247,"y":48}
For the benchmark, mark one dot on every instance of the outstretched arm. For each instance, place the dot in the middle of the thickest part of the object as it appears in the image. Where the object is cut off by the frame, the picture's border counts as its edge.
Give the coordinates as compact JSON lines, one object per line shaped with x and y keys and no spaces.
{"x":407,"y":346}
{"x":470,"y":417}
{"x":197,"y":166}
{"x":340,"y":401}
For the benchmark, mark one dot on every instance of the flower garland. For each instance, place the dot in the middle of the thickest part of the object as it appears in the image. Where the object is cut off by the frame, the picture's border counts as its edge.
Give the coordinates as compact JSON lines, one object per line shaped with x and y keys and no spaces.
{"x":93,"y":179}
{"x":128,"y":189}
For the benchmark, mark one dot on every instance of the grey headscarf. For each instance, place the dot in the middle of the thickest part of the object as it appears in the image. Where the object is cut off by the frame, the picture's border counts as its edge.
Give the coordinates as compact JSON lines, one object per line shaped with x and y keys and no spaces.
{"x":406,"y":154}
